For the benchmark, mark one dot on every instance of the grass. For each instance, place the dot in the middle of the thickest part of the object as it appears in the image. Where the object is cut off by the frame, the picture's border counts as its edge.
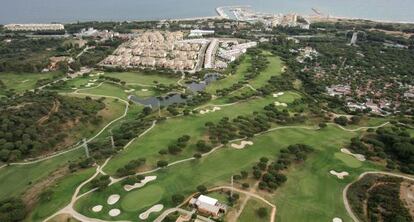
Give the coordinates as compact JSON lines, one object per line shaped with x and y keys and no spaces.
{"x":16,"y":179}
{"x":309,"y":186}
{"x":348,"y":160}
{"x":250,"y":211}
{"x":160,"y":136}
{"x":62,"y":194}
{"x":21,"y":82}
{"x":230,"y":80}
{"x":151,"y":195}
{"x":142,"y":78}
{"x":273,"y":69}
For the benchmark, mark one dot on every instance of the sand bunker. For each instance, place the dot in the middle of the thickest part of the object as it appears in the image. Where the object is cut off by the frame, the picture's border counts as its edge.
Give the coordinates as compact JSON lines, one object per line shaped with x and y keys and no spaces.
{"x":129,"y":90}
{"x":337,"y":219}
{"x":359,"y":157}
{"x":114,"y":212}
{"x":97,"y":74}
{"x":278,"y":94}
{"x":153,"y":209}
{"x":340,"y":175}
{"x":26,"y":80}
{"x":140,"y":184}
{"x":93,"y":80}
{"x":97,"y":208}
{"x":144,"y":90}
{"x":113,"y":199}
{"x":242,"y":144}
{"x":90,"y":84}
{"x":216,"y":108}
{"x":280,"y":104}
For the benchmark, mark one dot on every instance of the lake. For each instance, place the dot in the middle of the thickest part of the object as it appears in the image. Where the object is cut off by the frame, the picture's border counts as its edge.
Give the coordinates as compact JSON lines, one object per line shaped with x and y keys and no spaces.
{"x":32,"y":11}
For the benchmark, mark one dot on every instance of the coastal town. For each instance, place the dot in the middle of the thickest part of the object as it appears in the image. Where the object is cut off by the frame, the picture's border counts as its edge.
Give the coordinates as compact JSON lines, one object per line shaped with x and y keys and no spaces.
{"x":242,"y":116}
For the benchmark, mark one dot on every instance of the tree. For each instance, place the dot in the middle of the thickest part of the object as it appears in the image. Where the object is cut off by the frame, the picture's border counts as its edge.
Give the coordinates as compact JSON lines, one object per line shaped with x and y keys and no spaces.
{"x":162,"y":163}
{"x":177,"y":198}
{"x":197,"y":155}
{"x":342,"y":120}
{"x":202,"y":189}
{"x":322,"y":125}
{"x":262,"y":212}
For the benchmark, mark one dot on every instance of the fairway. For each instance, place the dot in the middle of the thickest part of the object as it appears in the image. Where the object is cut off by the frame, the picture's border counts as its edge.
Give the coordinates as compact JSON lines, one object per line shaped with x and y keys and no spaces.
{"x":21,"y":82}
{"x":348,"y":160}
{"x":142,"y":198}
{"x":132,"y":78}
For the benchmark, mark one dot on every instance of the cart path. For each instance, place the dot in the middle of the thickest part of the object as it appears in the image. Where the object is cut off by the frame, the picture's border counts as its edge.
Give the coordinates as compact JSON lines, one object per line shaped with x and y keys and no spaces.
{"x":344,"y":192}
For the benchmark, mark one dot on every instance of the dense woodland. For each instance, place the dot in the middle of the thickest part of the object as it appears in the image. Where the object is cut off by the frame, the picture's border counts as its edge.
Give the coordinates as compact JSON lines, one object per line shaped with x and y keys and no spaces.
{"x":37,"y":123}
{"x":382,"y":197}
{"x":394,"y":144}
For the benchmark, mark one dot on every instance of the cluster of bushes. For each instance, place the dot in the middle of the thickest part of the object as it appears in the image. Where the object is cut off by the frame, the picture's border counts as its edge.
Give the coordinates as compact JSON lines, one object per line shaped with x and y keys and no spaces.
{"x":130,"y":129}
{"x":130,"y":167}
{"x":101,"y":182}
{"x":200,"y":98}
{"x":27,"y":54}
{"x":24,"y":133}
{"x":342,"y":120}
{"x":373,"y":192}
{"x":247,"y":126}
{"x":12,"y":210}
{"x":177,"y":146}
{"x":395,"y":144}
{"x":112,"y":79}
{"x":81,"y":164}
{"x":271,"y":175}
{"x":131,"y":180}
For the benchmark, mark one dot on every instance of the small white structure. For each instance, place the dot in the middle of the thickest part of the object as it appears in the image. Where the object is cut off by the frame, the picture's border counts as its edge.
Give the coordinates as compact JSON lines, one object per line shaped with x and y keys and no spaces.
{"x":200,"y":33}
{"x":208,"y":206}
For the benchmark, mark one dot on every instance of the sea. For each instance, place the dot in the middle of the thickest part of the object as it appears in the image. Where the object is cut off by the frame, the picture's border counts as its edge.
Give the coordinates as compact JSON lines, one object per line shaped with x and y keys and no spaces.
{"x":68,"y":11}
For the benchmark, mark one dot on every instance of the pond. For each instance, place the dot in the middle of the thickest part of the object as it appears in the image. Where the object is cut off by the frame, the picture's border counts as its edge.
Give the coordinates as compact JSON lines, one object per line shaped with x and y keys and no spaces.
{"x":176,"y":98}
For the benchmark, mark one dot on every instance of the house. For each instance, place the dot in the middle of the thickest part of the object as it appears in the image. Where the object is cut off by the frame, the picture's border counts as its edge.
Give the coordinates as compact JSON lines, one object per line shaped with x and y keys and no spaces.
{"x":208,"y":206}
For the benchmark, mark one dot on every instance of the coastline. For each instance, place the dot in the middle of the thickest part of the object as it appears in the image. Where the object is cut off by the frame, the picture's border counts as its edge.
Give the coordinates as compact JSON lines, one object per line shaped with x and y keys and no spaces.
{"x":221,"y":14}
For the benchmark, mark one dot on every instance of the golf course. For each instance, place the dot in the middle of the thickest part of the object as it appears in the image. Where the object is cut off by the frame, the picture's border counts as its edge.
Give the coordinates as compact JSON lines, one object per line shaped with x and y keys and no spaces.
{"x":311,"y":193}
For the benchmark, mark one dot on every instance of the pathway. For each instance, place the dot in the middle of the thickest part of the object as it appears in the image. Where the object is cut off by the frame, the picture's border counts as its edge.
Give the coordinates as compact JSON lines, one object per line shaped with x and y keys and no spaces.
{"x":344,"y":192}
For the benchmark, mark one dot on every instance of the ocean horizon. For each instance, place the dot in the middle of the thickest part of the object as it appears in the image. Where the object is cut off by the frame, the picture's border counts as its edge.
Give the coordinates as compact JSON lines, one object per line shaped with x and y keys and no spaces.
{"x":67,"y":11}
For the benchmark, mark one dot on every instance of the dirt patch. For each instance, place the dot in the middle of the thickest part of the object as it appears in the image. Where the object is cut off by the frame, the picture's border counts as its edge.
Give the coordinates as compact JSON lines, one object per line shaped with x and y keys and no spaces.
{"x":407,"y":196}
{"x":63,"y":218}
{"x":54,"y":109}
{"x":31,"y":195}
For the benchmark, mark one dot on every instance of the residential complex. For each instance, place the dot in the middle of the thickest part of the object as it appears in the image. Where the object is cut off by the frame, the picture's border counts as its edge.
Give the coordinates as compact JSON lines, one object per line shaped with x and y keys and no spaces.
{"x":34,"y":27}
